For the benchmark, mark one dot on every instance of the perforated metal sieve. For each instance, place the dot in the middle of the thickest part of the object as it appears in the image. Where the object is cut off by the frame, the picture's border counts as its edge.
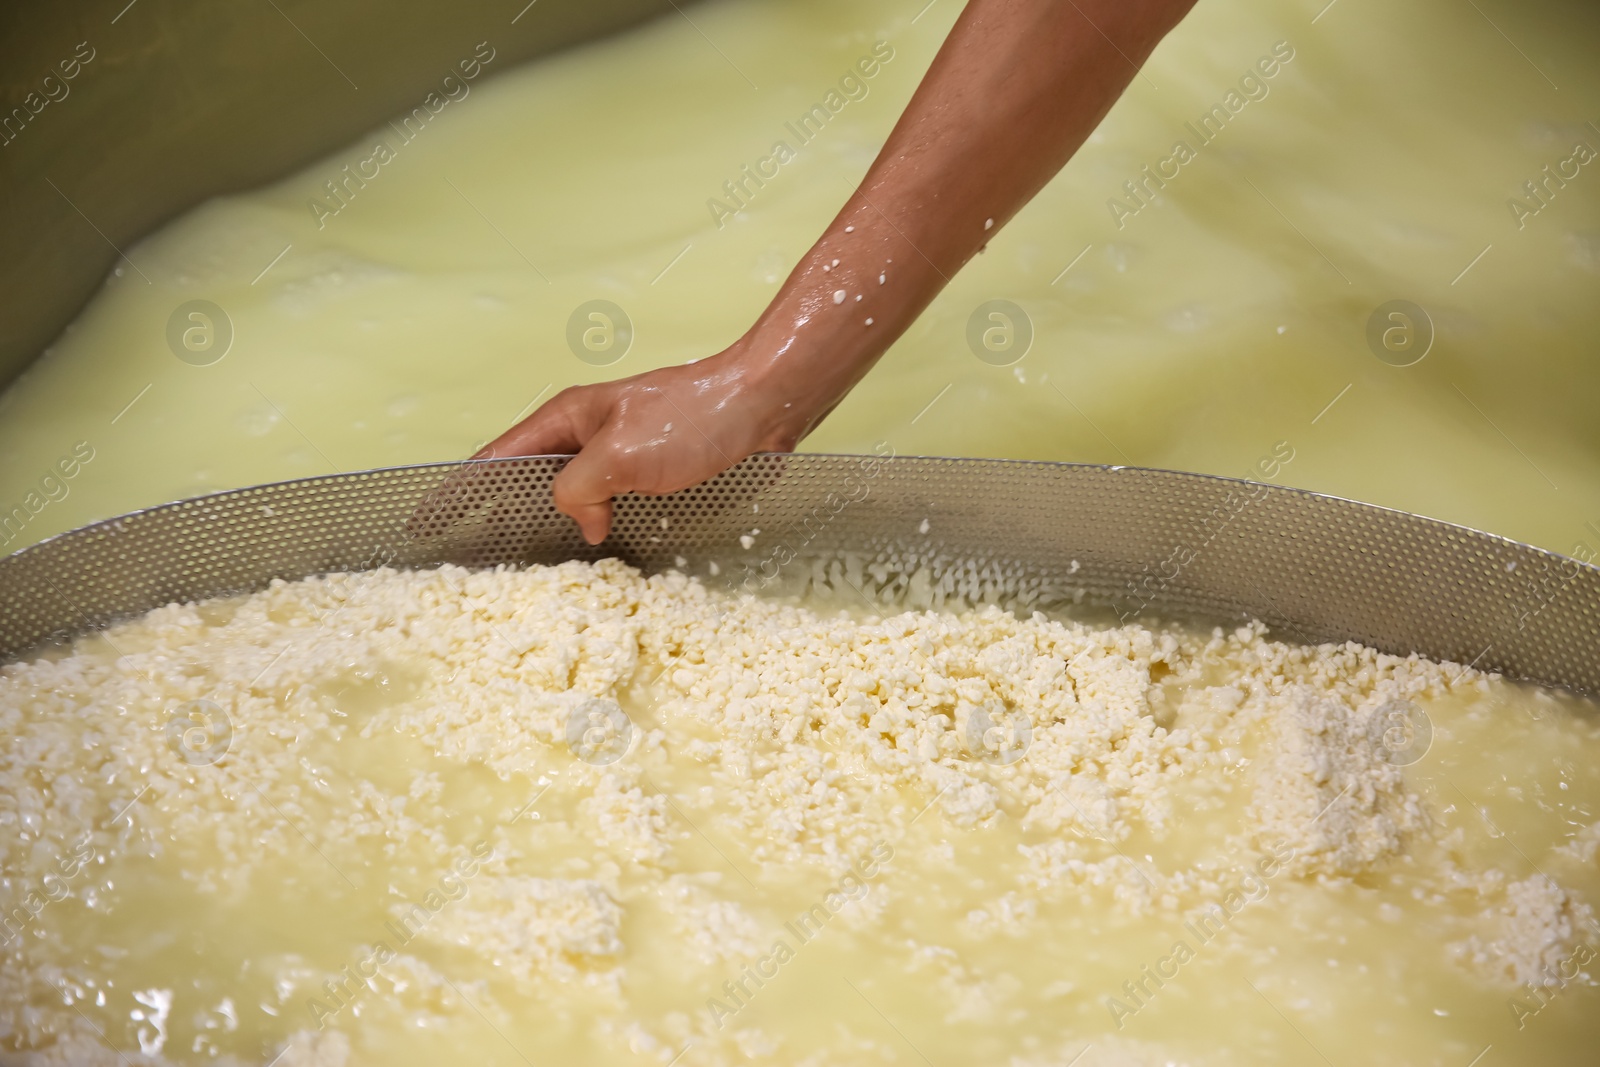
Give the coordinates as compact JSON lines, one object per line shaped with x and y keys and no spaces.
{"x":892,"y":530}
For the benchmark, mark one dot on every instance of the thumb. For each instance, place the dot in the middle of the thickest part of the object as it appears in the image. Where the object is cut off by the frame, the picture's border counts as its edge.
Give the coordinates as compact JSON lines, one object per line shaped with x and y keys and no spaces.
{"x":594,"y":520}
{"x":561,"y":425}
{"x":584,"y":488}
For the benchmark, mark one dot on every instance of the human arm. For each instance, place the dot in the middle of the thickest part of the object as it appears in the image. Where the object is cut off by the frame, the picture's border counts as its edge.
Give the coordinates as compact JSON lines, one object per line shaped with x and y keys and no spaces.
{"x":1015,"y":89}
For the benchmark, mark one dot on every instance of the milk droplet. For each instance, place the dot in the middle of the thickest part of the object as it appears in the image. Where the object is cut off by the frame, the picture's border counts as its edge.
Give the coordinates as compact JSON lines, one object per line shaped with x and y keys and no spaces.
{"x":838,"y":296}
{"x":869,"y":322}
{"x":882,"y":278}
{"x":858,"y":296}
{"x":849,"y":229}
{"x":988,"y":224}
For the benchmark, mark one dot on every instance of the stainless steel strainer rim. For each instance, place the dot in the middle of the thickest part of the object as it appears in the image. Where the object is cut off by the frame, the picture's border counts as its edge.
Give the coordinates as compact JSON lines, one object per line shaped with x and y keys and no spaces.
{"x":1313,"y":565}
{"x":454,"y":465}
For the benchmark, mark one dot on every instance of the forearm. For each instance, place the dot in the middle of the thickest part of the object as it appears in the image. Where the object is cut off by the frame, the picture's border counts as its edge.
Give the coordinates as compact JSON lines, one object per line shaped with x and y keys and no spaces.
{"x":1014,"y":91}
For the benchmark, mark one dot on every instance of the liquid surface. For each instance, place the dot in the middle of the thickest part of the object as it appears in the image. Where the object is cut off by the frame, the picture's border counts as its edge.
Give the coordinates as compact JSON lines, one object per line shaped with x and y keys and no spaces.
{"x":574,"y":815}
{"x":1218,"y":327}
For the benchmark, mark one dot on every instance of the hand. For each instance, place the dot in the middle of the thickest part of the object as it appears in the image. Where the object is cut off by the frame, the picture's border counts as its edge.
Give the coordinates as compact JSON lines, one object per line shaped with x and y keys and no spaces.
{"x":655,"y":432}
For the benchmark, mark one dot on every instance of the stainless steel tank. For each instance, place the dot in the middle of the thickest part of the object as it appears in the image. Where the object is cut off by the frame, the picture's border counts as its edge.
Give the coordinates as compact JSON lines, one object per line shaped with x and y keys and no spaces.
{"x":117,"y":116}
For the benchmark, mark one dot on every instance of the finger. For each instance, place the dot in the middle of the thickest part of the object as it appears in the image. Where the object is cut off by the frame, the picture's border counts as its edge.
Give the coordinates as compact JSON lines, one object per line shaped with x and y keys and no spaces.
{"x":560,"y":427}
{"x":545,"y":432}
{"x":594,"y":520}
{"x":584,"y":488}
{"x":564,"y":425}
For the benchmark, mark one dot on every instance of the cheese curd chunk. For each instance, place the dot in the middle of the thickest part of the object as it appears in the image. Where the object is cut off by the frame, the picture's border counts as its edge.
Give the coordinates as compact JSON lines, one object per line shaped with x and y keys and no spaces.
{"x":577,"y":813}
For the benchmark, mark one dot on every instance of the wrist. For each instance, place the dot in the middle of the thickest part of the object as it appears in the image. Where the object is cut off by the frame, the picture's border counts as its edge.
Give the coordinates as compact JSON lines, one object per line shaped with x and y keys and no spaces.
{"x":841,"y":307}
{"x":783,"y":391}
